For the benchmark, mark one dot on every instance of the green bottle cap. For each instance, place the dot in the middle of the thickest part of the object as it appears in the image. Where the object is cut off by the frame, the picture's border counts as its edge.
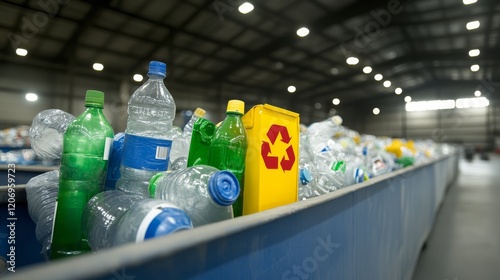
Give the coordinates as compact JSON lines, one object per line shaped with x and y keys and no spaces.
{"x":94,"y":97}
{"x":152,"y":184}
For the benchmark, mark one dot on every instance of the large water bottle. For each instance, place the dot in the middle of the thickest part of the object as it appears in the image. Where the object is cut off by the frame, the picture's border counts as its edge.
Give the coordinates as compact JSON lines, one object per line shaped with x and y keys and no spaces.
{"x":115,"y":160}
{"x":46,"y":133}
{"x":113,"y":218}
{"x":41,"y":193}
{"x":320,"y":134}
{"x":148,"y":138}
{"x":87,"y":143}
{"x":229,"y":147}
{"x":203,"y":192}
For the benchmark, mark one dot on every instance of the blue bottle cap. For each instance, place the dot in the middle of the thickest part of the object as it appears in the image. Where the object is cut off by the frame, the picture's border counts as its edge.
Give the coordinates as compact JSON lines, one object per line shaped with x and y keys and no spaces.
{"x":167,"y":221}
{"x":305,"y":176}
{"x":224,"y":188}
{"x":157,"y":68}
{"x":359,"y":175}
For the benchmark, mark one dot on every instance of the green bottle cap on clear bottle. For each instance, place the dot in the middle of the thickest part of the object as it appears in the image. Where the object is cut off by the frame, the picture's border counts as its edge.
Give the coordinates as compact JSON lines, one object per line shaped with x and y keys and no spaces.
{"x":94,"y":98}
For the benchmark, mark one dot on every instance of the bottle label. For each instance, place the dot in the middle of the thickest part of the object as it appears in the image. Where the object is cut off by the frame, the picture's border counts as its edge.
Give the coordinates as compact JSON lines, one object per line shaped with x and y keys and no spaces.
{"x":147,"y":153}
{"x":107,"y":148}
{"x":142,"y":232}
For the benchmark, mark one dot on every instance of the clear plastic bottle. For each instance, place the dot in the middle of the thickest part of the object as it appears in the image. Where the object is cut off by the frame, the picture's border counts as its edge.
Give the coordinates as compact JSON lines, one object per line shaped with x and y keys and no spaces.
{"x":320,"y":134}
{"x":180,"y":144}
{"x":179,"y":163}
{"x":115,"y":160}
{"x":87,"y":143}
{"x":46,"y":133}
{"x":148,"y":138}
{"x":188,"y":128}
{"x":114,"y":218}
{"x":41,"y":193}
{"x":203,"y":192}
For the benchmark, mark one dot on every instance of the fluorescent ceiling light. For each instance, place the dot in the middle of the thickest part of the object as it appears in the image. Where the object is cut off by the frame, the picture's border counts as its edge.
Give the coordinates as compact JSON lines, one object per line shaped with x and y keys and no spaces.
{"x":32,"y":97}
{"x":408,"y":99}
{"x":352,"y":60}
{"x":474,"y":52}
{"x":292,"y":89}
{"x":21,"y":52}
{"x":367,"y":70}
{"x":468,"y":2}
{"x":475,"y":68}
{"x":245,"y":8}
{"x":303,"y":32}
{"x":398,"y":91}
{"x":138,"y":77}
{"x":473,"y":25}
{"x":477,"y":93}
{"x":336,"y":101}
{"x":478,"y":102}
{"x":98,"y":66}
{"x":387,"y":84}
{"x":376,"y":111}
{"x":378,"y":77}
{"x":430,"y":105}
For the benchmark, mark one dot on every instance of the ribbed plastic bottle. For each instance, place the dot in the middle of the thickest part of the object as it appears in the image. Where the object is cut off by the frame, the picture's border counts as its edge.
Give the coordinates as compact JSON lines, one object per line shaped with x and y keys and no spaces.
{"x":114,"y":218}
{"x":229,"y":146}
{"x":148,"y":139}
{"x":46,"y":133}
{"x":182,"y":139}
{"x":86,"y":147}
{"x":41,"y":193}
{"x":203,"y":192}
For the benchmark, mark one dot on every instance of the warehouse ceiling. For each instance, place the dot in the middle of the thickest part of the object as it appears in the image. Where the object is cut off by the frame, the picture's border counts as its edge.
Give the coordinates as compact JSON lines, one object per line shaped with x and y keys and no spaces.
{"x":414,"y":44}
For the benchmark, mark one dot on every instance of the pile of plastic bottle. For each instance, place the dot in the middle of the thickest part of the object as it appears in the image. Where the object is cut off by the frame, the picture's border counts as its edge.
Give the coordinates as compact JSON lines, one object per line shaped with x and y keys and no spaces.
{"x":333,"y":156}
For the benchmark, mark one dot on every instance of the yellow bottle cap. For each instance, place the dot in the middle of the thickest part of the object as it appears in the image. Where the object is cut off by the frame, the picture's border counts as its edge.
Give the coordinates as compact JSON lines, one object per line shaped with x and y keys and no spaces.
{"x":199,"y":112}
{"x":236,"y":106}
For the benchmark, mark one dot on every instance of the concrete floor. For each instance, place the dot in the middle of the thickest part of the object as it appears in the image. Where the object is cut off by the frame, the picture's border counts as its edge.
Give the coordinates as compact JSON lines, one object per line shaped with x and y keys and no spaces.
{"x":465,"y":241}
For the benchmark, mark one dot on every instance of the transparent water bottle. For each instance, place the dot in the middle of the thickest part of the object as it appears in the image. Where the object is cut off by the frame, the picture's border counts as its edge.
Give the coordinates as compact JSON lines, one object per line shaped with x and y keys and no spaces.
{"x":179,"y":163}
{"x":41,"y":193}
{"x":46,"y":133}
{"x":114,"y":218}
{"x":115,"y":160}
{"x":180,"y":144}
{"x":148,"y":138}
{"x":203,"y":192}
{"x":87,"y":143}
{"x":320,"y":134}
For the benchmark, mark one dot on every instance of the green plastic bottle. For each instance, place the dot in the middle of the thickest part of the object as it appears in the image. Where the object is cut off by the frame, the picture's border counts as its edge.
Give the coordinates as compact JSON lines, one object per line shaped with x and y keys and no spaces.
{"x":229,"y":147}
{"x":201,"y":139}
{"x":86,"y":146}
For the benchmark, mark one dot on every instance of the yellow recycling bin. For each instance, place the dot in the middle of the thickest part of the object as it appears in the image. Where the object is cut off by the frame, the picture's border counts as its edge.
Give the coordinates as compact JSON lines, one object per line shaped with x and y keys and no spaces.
{"x":272,"y":159}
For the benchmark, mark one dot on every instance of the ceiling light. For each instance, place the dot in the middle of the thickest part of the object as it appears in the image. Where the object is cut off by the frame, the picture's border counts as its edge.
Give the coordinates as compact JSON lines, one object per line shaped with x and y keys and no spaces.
{"x":352,"y":60}
{"x":334,"y":71}
{"x":32,"y":97}
{"x":138,"y":77}
{"x":477,"y":93}
{"x":21,"y":52}
{"x":245,"y":8}
{"x":475,"y":68}
{"x":478,"y":102}
{"x":317,"y":106}
{"x":468,"y":2}
{"x":303,"y":32}
{"x":408,"y":99}
{"x":379,"y":77}
{"x":387,"y":84}
{"x":376,"y":111}
{"x":474,"y":52}
{"x":473,"y":25}
{"x":398,"y":91}
{"x":98,"y":66}
{"x":336,"y":101}
{"x":292,"y":89}
{"x":430,"y":105}
{"x":367,"y":70}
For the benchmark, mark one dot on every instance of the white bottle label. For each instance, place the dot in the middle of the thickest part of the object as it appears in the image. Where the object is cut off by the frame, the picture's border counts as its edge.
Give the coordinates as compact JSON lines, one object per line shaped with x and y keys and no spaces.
{"x":107,"y":148}
{"x":141,"y":232}
{"x":161,"y":152}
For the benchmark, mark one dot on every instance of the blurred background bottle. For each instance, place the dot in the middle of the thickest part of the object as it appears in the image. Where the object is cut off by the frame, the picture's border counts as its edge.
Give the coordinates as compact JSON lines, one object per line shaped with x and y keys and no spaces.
{"x":148,"y":138}
{"x":203,"y":192}
{"x":229,"y":146}
{"x":86,"y":147}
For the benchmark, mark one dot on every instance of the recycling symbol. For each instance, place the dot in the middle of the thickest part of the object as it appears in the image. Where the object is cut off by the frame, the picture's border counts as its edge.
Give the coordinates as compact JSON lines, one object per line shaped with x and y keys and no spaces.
{"x":271,"y":162}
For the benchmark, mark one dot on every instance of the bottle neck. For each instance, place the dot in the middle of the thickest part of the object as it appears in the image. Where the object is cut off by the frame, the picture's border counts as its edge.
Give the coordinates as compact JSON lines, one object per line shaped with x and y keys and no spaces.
{"x":94,"y":106}
{"x":156,"y":78}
